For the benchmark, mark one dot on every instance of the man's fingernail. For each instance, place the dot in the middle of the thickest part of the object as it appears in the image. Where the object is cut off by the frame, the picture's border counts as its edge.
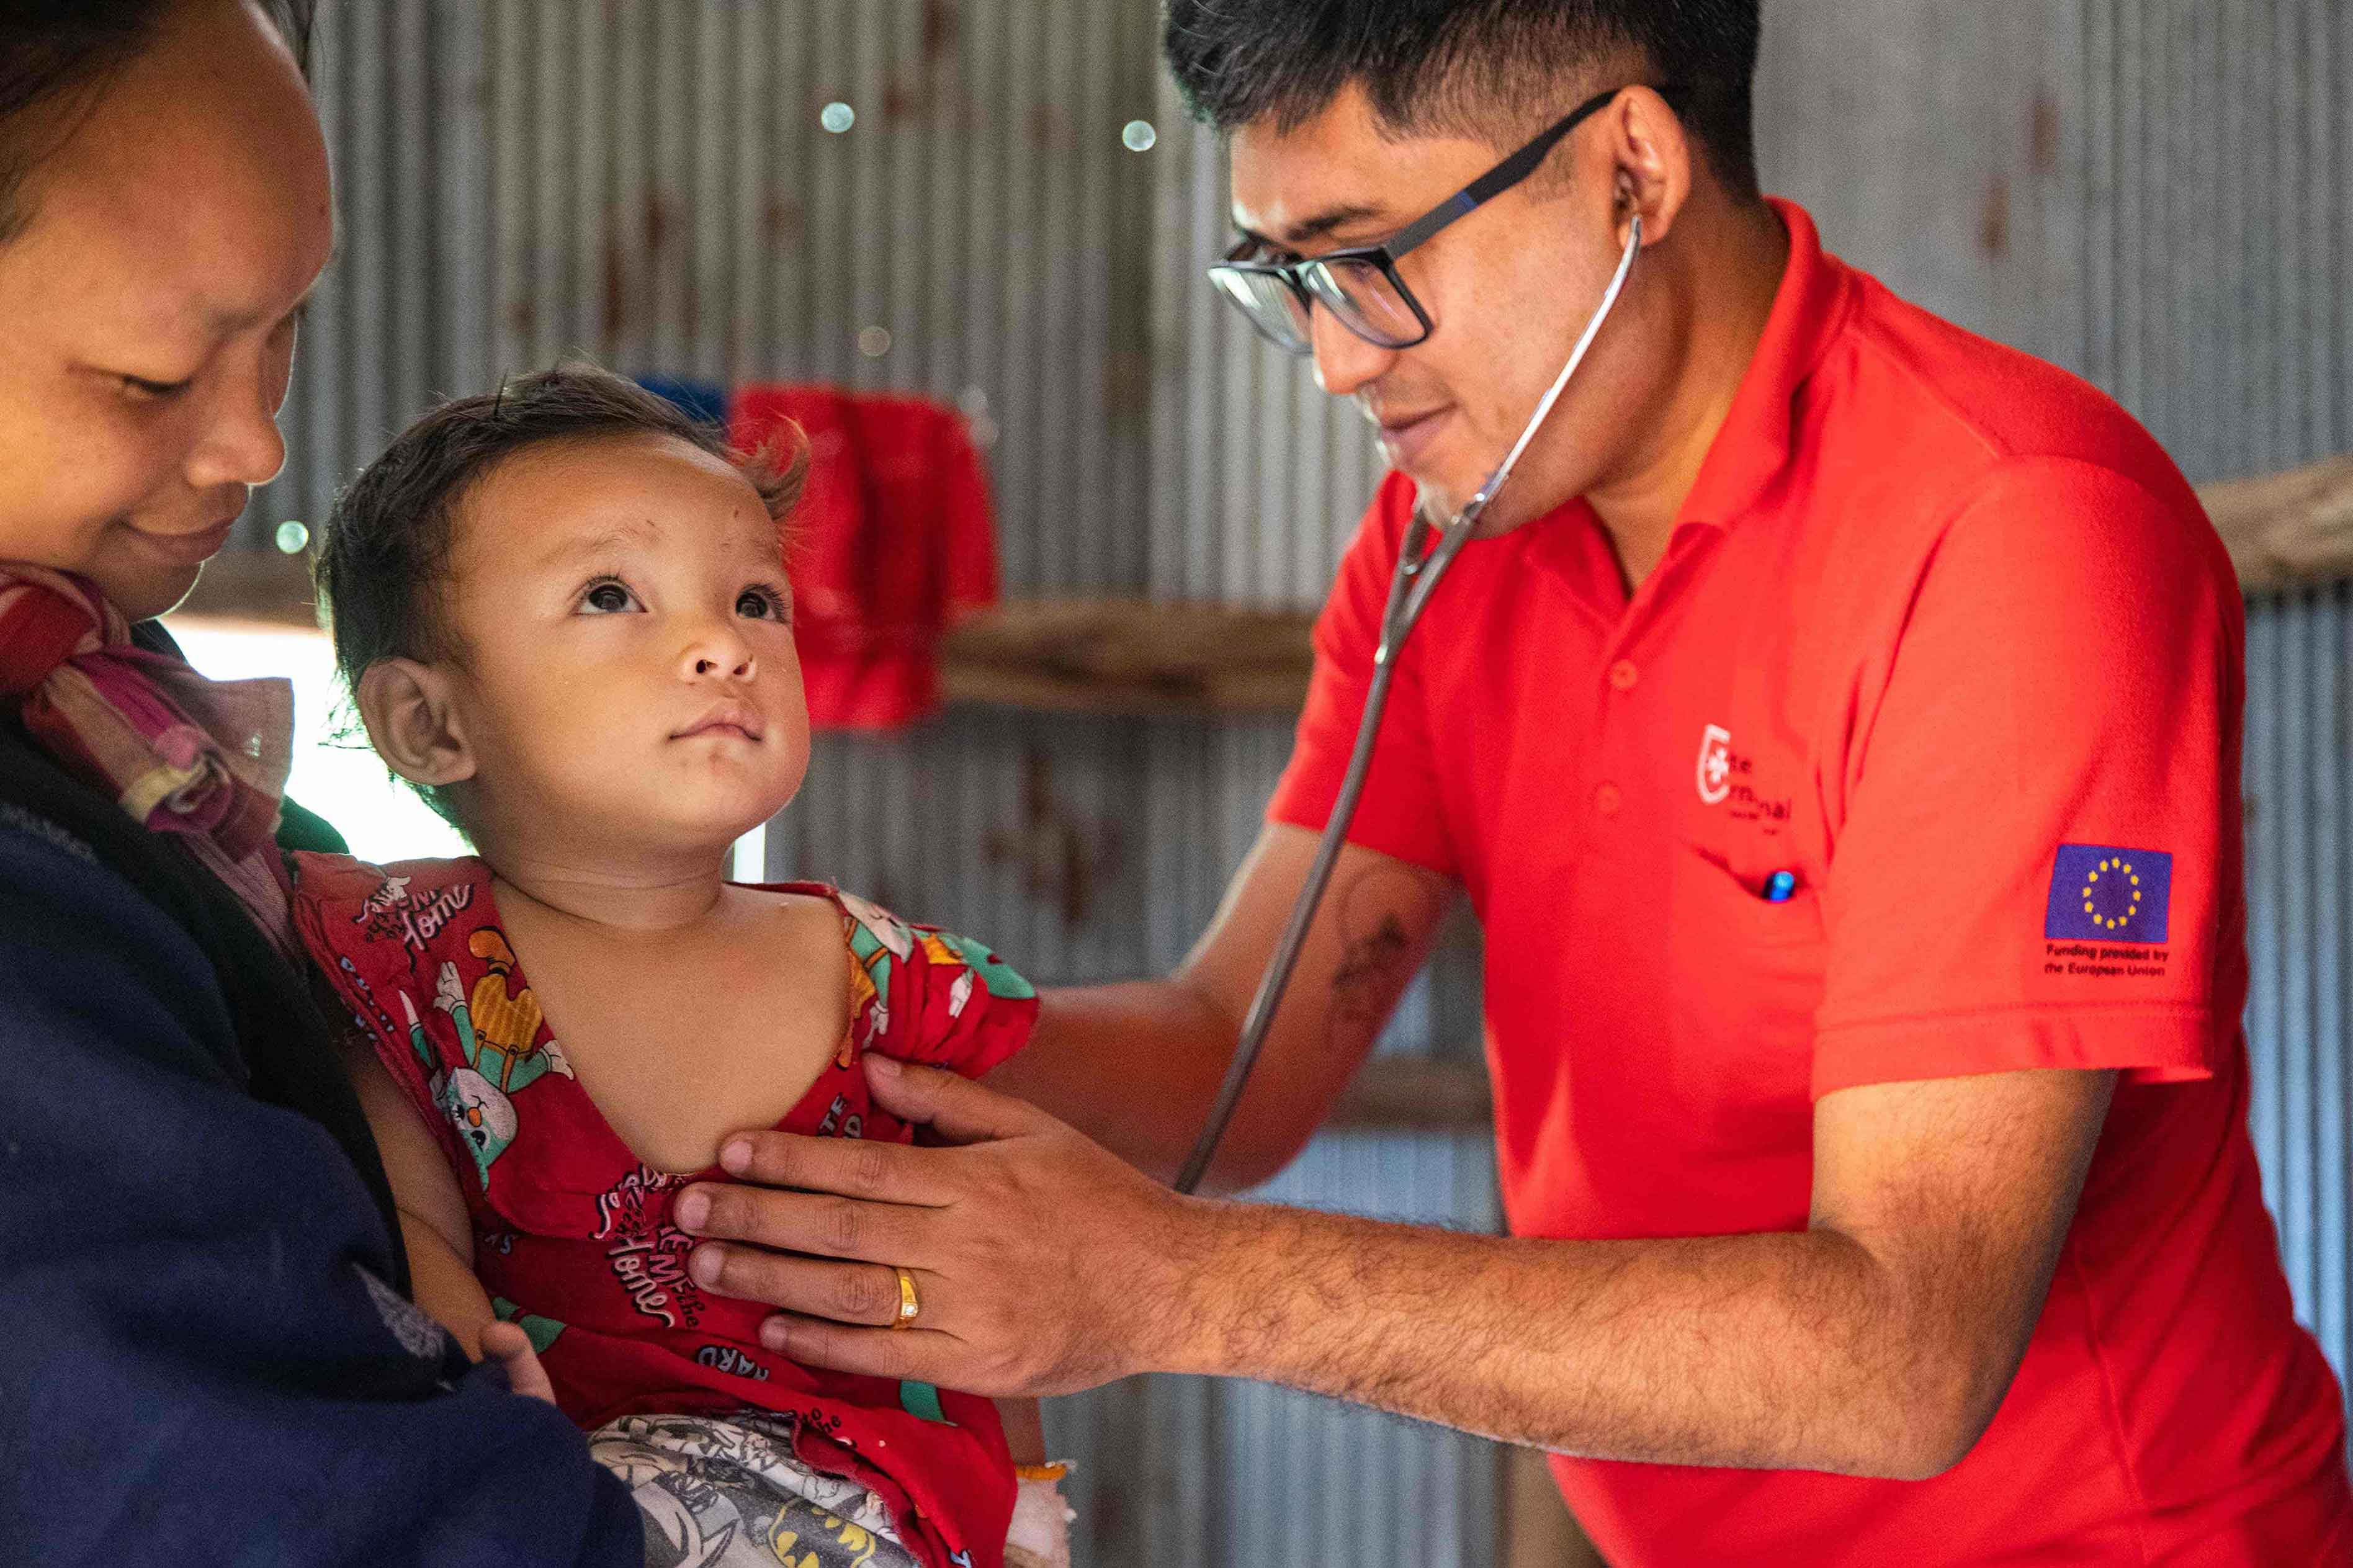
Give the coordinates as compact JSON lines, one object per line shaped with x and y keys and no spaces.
{"x":735,"y":1156}
{"x":704,"y":1263}
{"x":693,"y":1209}
{"x":773,"y":1336}
{"x":886,"y":1066}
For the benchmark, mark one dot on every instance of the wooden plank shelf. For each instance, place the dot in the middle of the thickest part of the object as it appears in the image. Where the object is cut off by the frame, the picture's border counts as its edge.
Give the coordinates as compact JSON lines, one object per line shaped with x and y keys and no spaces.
{"x":1134,"y":657}
{"x":1130,"y":656}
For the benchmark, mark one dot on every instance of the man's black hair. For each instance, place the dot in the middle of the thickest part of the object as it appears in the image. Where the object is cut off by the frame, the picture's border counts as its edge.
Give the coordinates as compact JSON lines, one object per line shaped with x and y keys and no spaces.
{"x":1497,"y":69}
{"x":383,"y":562}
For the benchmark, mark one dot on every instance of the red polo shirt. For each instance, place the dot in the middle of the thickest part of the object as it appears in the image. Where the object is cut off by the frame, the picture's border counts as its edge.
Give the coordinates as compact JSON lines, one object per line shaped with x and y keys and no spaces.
{"x":1943,"y":649}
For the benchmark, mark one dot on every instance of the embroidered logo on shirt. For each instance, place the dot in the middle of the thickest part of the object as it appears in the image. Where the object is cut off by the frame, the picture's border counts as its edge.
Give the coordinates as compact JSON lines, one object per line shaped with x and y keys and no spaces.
{"x":2102,"y":893}
{"x":1714,"y":765}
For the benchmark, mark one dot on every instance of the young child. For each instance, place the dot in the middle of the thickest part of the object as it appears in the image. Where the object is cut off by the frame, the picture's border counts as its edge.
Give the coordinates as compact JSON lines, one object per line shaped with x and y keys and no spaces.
{"x":563,"y":617}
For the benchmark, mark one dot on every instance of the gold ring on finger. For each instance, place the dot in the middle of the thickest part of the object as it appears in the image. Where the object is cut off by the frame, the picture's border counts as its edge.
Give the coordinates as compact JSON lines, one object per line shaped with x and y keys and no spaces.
{"x":911,"y":1306}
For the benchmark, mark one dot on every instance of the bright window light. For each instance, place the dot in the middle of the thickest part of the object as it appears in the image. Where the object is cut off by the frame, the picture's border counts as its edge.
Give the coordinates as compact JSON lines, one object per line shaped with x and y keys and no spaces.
{"x":341,"y":780}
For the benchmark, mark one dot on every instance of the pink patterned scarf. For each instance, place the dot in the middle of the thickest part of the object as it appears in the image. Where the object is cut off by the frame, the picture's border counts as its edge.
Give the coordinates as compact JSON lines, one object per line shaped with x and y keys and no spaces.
{"x":203,"y":759}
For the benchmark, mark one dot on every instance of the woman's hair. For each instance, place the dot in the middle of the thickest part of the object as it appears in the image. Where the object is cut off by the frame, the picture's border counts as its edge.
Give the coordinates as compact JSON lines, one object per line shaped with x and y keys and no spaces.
{"x":384,"y":556}
{"x":56,"y":56}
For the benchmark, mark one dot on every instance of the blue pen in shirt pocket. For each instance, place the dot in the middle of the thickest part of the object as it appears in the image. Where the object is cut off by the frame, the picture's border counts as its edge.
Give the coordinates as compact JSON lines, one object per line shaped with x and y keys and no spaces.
{"x":1779,"y":888}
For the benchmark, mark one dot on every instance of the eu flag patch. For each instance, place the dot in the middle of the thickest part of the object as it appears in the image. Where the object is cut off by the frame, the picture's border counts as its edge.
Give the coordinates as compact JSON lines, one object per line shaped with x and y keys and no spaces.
{"x":2101,"y":893}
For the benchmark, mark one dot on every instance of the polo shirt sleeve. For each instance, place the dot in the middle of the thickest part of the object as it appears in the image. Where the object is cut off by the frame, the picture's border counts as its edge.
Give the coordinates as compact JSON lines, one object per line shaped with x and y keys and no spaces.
{"x":970,"y":1011}
{"x":1401,"y":814}
{"x":2038,"y":864}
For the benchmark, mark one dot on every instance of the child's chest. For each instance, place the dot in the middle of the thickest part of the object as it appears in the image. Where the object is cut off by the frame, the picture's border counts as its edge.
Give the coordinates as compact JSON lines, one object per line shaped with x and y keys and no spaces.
{"x":681,"y":1045}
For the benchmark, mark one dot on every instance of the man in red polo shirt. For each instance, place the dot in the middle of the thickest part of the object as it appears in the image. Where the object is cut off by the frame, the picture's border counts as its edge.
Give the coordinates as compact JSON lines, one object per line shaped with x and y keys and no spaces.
{"x":1836,"y":729}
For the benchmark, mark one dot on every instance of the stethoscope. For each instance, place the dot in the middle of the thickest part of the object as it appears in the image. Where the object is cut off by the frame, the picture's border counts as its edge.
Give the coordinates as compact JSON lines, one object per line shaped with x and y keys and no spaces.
{"x":1423,"y":557}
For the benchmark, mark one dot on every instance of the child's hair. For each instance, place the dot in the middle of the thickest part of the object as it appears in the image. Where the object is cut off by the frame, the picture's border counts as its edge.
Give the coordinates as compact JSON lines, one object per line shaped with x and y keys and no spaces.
{"x":383,"y":555}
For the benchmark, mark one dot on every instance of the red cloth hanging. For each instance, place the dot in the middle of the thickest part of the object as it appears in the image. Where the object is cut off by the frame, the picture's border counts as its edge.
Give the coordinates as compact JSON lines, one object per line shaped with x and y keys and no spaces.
{"x":895,"y":539}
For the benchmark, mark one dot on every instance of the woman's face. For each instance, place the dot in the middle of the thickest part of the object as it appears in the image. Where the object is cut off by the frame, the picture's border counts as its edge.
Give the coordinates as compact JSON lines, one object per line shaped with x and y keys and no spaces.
{"x":151,"y":308}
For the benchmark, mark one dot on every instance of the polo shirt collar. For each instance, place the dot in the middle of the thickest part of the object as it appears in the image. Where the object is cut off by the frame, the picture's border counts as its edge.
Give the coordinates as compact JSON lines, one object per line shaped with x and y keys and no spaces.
{"x":1755,"y":443}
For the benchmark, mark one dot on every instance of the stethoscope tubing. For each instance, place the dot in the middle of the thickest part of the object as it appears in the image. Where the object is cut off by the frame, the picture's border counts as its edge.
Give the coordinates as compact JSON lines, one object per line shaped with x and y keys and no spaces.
{"x":1421,"y":565}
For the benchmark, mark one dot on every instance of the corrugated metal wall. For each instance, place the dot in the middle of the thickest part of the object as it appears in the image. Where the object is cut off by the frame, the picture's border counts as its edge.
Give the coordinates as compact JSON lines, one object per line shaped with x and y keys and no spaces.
{"x":1257,"y":476}
{"x":2299,"y":867}
{"x":648,"y":183}
{"x":2153,"y":192}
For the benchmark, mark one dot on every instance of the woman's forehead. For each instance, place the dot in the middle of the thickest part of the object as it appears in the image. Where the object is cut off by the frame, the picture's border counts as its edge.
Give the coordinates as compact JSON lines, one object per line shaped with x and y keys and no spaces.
{"x":179,"y":272}
{"x":192,"y":195}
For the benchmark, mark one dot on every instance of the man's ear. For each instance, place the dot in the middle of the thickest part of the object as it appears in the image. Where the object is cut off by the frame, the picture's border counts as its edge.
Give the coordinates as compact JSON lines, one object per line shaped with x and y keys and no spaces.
{"x":413,"y":721}
{"x":1654,"y":156}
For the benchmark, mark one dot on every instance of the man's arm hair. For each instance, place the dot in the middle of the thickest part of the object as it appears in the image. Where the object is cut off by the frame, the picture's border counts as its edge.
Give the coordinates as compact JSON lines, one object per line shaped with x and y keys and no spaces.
{"x":194,"y":1346}
{"x":1136,"y":1065}
{"x":1878,"y":1342}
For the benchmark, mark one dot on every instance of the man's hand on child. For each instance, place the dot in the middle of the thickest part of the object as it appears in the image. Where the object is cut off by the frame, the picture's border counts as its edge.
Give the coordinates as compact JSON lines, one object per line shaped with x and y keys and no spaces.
{"x":1042,"y":1263}
{"x":510,"y":1348}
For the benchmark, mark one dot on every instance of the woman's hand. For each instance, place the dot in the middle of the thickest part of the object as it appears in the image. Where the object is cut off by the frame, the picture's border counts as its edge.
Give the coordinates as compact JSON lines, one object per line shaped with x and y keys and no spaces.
{"x":1042,"y":1263}
{"x":509,"y":1347}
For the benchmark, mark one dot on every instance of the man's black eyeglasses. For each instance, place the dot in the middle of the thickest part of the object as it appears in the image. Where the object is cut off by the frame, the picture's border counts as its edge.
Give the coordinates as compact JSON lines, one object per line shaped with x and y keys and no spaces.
{"x":1361,"y":287}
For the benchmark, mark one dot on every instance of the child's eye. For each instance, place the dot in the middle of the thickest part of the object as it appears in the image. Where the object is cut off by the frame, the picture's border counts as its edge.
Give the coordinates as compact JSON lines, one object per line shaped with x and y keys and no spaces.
{"x":760,"y":604}
{"x":609,"y":597}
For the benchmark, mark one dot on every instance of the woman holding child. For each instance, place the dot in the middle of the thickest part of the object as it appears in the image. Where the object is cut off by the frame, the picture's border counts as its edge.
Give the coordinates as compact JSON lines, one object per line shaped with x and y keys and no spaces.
{"x":214,"y":1227}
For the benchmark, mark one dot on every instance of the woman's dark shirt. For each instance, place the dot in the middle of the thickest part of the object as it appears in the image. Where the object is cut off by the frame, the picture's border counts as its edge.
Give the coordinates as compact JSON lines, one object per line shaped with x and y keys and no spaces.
{"x":204,"y":1350}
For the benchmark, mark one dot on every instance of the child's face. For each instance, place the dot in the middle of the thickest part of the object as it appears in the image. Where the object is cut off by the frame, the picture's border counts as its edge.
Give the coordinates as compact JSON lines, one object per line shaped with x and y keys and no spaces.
{"x":625,"y":676}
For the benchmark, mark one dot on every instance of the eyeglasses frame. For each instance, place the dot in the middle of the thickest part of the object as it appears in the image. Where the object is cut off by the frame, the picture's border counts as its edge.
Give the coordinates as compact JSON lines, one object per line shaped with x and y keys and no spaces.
{"x":1385,"y":257}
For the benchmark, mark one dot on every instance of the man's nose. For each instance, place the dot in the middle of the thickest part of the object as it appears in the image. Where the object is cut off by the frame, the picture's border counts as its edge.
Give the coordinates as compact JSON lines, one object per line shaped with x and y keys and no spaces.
{"x":1345,"y":362}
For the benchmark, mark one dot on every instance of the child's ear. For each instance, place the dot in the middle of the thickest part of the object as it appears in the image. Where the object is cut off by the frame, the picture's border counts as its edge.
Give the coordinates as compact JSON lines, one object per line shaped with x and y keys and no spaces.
{"x":413,"y":724}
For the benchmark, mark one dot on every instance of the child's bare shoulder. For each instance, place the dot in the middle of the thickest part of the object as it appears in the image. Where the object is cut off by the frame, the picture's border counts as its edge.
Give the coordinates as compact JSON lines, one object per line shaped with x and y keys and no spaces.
{"x":797,"y":920}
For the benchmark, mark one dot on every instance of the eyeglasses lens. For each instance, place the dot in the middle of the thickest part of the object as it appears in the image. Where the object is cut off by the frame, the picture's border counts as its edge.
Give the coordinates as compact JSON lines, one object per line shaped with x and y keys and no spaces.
{"x":1361,"y":295}
{"x":1279,"y":314}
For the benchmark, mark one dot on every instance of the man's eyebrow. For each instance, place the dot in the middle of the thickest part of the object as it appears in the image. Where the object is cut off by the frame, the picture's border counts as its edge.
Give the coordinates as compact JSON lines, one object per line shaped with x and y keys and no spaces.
{"x":1307,"y":232}
{"x":609,"y":541}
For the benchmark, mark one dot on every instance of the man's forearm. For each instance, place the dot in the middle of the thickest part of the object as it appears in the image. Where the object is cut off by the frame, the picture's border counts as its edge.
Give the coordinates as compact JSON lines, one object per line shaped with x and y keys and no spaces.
{"x":1135,"y":1067}
{"x":1779,"y":1351}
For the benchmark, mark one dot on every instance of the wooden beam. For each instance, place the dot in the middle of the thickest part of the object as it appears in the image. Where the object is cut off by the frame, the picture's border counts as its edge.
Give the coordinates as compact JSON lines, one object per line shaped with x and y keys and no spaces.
{"x":1131,"y":657}
{"x":1135,"y":656}
{"x":2287,"y":530}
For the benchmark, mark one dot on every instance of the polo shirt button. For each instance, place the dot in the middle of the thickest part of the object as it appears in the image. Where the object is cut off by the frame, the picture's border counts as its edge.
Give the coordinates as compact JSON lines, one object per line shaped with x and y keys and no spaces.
{"x":1607,"y":799}
{"x":1623,"y":675}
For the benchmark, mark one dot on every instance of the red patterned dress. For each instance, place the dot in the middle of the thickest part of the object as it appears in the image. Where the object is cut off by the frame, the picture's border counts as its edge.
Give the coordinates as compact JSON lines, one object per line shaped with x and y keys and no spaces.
{"x":571,"y":1233}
